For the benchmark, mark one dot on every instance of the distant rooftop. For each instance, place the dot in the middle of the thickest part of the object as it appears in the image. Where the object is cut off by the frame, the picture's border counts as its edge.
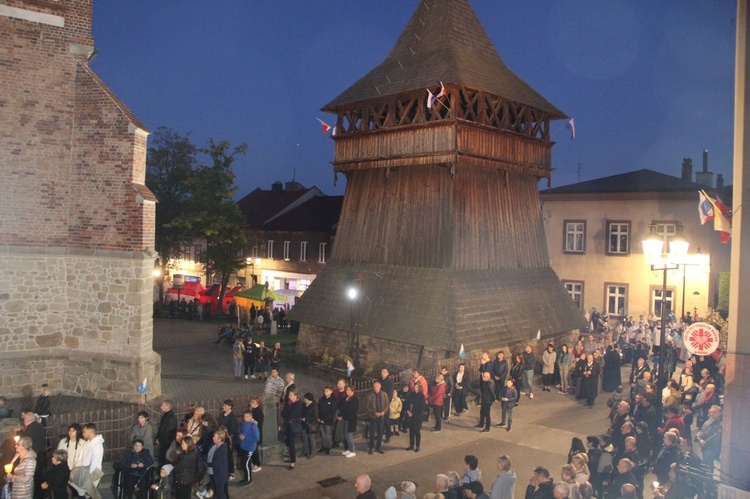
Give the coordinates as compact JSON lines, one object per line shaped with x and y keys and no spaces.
{"x":636,"y":181}
{"x":261,"y":206}
{"x":319,"y":214}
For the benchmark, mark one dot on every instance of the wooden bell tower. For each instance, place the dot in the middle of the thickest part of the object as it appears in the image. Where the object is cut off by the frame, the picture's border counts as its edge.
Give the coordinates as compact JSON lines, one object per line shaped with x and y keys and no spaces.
{"x":441,"y":230}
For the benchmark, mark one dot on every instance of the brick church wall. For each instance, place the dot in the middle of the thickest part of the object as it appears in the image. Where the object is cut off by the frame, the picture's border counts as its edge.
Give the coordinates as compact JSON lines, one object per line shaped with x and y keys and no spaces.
{"x":76,"y":221}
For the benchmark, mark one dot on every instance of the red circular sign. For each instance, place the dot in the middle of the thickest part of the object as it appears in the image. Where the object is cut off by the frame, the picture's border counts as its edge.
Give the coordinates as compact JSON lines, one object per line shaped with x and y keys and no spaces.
{"x":701,"y":338}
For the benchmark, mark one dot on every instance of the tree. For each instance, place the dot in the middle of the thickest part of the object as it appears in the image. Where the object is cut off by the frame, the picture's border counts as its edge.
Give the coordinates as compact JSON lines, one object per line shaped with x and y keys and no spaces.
{"x":170,"y":167}
{"x":215,"y":216}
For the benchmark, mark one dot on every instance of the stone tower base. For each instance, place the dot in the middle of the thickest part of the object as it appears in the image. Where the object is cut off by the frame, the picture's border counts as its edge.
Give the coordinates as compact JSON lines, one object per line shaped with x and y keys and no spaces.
{"x":79,"y":321}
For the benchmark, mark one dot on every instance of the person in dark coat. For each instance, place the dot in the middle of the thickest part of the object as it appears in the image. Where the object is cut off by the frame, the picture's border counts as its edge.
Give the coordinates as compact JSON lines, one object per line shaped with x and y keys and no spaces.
{"x":414,"y":408}
{"x":256,"y":405}
{"x":612,"y":377}
{"x":134,"y":466}
{"x":184,"y":469}
{"x":327,"y":406}
{"x":590,"y":381}
{"x":508,"y":400}
{"x":219,"y":462}
{"x":540,"y":485}
{"x":499,"y":373}
{"x":55,"y":477}
{"x":516,"y":372}
{"x":666,"y":457}
{"x":167,"y":431}
{"x":487,"y":398}
{"x":461,"y":389}
{"x":623,"y":475}
{"x":291,"y":414}
{"x":228,"y":420}
{"x":387,"y":386}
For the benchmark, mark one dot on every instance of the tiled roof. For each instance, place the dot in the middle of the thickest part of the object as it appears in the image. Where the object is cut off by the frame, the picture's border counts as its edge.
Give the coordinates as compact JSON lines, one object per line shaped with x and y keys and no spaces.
{"x":439,"y":308}
{"x":260,"y":206}
{"x":443,"y":41}
{"x":319,"y":214}
{"x":637,"y":181}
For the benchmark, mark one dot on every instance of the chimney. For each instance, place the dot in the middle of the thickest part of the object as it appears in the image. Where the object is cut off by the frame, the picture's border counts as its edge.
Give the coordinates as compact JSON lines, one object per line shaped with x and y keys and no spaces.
{"x":719,"y":181}
{"x":705,"y":177}
{"x":687,"y":169}
{"x":293,"y":186}
{"x":277,"y":187}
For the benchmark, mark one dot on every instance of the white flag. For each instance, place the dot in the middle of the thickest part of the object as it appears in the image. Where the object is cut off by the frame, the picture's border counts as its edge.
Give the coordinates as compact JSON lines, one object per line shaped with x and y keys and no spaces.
{"x":538,"y":335}
{"x":349,"y":368}
{"x":462,"y":352}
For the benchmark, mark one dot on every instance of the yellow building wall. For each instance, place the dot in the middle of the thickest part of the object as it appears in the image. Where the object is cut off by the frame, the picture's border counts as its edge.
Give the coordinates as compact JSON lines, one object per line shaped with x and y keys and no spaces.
{"x":597,"y":269}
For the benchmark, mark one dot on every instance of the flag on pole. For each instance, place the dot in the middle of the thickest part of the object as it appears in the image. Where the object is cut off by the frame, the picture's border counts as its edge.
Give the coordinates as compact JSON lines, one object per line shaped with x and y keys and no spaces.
{"x":143,"y":387}
{"x":430,"y":99}
{"x":722,"y":218}
{"x":571,"y":125}
{"x":349,"y":368}
{"x":462,"y":352}
{"x":705,"y":208}
{"x":324,"y":125}
{"x":443,"y":91}
{"x":538,"y":334}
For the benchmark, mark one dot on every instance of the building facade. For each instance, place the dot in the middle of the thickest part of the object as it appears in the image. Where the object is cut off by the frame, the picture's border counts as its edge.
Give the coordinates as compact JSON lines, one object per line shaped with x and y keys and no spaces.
{"x":594,"y":231}
{"x":76,"y":220}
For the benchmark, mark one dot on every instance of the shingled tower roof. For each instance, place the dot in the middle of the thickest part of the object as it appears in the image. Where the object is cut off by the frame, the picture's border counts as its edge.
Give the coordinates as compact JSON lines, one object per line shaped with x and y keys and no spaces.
{"x":443,"y":42}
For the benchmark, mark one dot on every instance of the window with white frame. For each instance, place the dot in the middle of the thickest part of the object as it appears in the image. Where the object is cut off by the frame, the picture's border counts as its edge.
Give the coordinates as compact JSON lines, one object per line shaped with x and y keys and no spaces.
{"x":322,"y":252}
{"x":303,"y":251}
{"x":255,"y":252}
{"x":269,"y":250}
{"x":187,"y":253}
{"x":657,"y":301}
{"x":575,"y":236}
{"x":616,"y":299}
{"x":618,"y":238}
{"x":287,"y":245}
{"x":575,"y":290}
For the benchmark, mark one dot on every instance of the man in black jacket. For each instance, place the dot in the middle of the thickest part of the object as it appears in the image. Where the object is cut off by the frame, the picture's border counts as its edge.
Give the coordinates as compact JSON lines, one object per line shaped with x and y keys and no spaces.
{"x":167,"y":431}
{"x":387,"y":385}
{"x":228,"y":420}
{"x":499,"y":373}
{"x":487,"y":397}
{"x":540,"y":485}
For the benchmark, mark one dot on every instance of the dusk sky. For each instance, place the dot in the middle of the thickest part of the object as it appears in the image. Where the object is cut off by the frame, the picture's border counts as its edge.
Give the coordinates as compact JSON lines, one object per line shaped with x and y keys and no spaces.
{"x":648,"y":83}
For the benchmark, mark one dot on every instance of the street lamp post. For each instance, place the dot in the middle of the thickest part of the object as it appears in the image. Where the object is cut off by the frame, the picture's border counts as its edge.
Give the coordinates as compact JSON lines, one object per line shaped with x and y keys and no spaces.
{"x":654,"y":250}
{"x":353,"y":294}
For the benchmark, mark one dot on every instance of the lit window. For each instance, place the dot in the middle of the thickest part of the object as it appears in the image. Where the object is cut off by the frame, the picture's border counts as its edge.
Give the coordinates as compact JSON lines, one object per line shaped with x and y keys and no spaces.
{"x":287,"y":245}
{"x":303,"y":251}
{"x":322,"y":252}
{"x":269,"y":250}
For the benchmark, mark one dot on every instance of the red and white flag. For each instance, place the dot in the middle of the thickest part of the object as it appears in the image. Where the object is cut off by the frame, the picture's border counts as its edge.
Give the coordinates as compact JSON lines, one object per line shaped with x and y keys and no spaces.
{"x":722,"y":217}
{"x":443,"y":91}
{"x":324,"y":125}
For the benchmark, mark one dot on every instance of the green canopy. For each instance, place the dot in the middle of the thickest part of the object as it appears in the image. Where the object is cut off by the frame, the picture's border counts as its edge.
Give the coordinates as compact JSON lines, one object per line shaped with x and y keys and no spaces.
{"x":258,"y":295}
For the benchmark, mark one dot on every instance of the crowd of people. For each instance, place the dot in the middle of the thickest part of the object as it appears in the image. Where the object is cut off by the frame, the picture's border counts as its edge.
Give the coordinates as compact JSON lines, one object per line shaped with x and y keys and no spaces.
{"x":203,"y":452}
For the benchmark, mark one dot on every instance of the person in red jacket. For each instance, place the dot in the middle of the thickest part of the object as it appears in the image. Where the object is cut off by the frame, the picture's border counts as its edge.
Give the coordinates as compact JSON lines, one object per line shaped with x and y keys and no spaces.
{"x":674,"y":420}
{"x":435,"y":399}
